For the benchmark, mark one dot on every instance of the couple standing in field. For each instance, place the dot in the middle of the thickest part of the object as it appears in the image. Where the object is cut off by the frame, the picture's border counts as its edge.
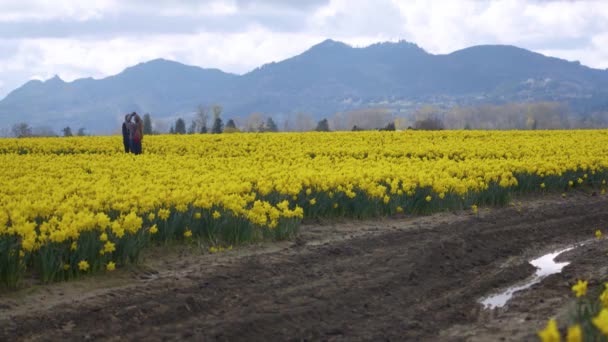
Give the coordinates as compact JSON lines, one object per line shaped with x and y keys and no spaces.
{"x":132,"y":133}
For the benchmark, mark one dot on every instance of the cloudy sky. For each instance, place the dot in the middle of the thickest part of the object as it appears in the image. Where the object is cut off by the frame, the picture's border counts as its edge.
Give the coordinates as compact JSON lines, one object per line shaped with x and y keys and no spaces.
{"x":77,"y":38}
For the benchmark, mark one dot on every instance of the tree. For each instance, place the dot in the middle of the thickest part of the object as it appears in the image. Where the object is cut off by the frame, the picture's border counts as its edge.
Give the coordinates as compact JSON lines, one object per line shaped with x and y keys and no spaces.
{"x":231,"y":127}
{"x":180,"y":126}
{"x":218,"y":125}
{"x":429,"y":124}
{"x":192,"y":128}
{"x":303,"y":122}
{"x":202,"y":116}
{"x":363,"y":118}
{"x":147,"y":124}
{"x":22,"y":130}
{"x":81,"y":132}
{"x":254,"y":121}
{"x":322,"y":126}
{"x":271,"y":126}
{"x":43,"y":131}
{"x":389,"y":127}
{"x":217,"y":110}
{"x":67,"y":132}
{"x":172,"y":130}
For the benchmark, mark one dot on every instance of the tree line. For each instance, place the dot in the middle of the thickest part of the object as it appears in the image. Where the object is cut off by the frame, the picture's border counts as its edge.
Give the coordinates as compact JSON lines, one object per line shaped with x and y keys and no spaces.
{"x":208,"y":119}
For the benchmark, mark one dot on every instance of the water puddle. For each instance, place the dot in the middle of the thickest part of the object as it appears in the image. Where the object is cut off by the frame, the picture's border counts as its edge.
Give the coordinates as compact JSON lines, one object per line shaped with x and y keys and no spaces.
{"x":545,"y":265}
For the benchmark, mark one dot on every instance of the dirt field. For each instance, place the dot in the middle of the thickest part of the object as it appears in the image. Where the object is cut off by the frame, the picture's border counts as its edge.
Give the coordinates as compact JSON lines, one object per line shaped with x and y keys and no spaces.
{"x":394,"y":279}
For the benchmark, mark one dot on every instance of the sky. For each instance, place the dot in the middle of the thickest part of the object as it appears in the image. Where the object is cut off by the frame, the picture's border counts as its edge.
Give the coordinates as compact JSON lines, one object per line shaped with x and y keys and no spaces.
{"x":76,"y":38}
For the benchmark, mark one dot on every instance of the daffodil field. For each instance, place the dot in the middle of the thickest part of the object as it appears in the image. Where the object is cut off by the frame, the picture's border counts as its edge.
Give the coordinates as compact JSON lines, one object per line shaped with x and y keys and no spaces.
{"x":74,"y":205}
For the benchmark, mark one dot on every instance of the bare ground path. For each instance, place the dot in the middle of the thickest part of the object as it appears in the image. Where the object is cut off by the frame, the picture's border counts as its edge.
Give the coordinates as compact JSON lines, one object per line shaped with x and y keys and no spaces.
{"x":391,"y":279}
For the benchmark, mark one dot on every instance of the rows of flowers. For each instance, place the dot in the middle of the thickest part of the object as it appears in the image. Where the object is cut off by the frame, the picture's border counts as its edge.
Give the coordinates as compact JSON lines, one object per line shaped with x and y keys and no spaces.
{"x":74,"y":205}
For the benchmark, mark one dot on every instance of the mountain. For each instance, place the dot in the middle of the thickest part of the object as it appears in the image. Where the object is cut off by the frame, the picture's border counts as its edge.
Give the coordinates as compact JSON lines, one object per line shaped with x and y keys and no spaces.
{"x":327,"y":78}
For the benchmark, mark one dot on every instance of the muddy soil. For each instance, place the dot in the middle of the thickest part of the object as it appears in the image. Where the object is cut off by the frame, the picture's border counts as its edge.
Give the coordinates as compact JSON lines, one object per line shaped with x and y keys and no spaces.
{"x":394,"y":279}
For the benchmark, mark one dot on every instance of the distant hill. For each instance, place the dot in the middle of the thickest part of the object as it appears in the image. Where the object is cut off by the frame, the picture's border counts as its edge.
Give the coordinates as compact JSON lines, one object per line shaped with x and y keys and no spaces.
{"x":327,"y":78}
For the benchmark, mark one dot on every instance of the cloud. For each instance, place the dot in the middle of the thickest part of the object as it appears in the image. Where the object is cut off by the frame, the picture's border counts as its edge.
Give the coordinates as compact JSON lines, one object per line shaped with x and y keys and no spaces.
{"x":16,"y":11}
{"x":445,"y":26}
{"x":73,"y":39}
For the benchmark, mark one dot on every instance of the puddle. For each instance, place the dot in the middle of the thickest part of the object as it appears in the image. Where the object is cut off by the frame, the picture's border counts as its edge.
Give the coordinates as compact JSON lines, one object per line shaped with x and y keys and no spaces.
{"x":545,"y":265}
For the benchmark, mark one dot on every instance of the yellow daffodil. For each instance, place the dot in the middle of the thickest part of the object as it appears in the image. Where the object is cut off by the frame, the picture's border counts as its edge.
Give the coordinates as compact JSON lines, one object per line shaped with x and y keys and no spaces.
{"x":604,"y":298}
{"x":109,"y":247}
{"x":550,"y":333}
{"x":575,"y":334}
{"x":580,"y":288}
{"x":83,"y":265}
{"x":153,"y":229}
{"x":601,"y":321}
{"x":110,"y":266}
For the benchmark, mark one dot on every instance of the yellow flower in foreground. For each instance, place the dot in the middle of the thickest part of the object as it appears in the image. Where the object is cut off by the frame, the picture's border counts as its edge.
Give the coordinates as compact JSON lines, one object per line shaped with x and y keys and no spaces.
{"x":111,"y":266}
{"x":601,"y":321}
{"x":550,"y":333}
{"x":103,"y":237}
{"x":66,"y":267}
{"x":151,"y":216}
{"x":563,"y":195}
{"x":197,"y":216}
{"x":313,"y":201}
{"x":163,"y":214}
{"x":598,"y":234}
{"x":188,"y":233}
{"x":604,"y":298}
{"x":579,"y":181}
{"x":153,"y":229}
{"x":109,"y":247}
{"x":474,"y":208}
{"x":575,"y":334}
{"x":216,"y":214}
{"x":83,"y":265}
{"x":428,"y":198}
{"x":570,"y":183}
{"x":580,"y":288}
{"x":542,"y":185}
{"x":399,"y":209}
{"x":74,"y":246}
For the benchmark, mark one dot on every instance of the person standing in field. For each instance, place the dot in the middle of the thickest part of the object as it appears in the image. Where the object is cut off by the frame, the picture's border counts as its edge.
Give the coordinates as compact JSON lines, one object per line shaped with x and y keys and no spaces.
{"x":138,"y":134}
{"x":131,"y":128}
{"x":126,"y":140}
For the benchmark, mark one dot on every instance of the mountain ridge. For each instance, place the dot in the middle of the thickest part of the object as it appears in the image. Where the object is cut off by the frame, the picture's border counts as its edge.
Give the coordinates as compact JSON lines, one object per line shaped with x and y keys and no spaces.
{"x":329,"y":77}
